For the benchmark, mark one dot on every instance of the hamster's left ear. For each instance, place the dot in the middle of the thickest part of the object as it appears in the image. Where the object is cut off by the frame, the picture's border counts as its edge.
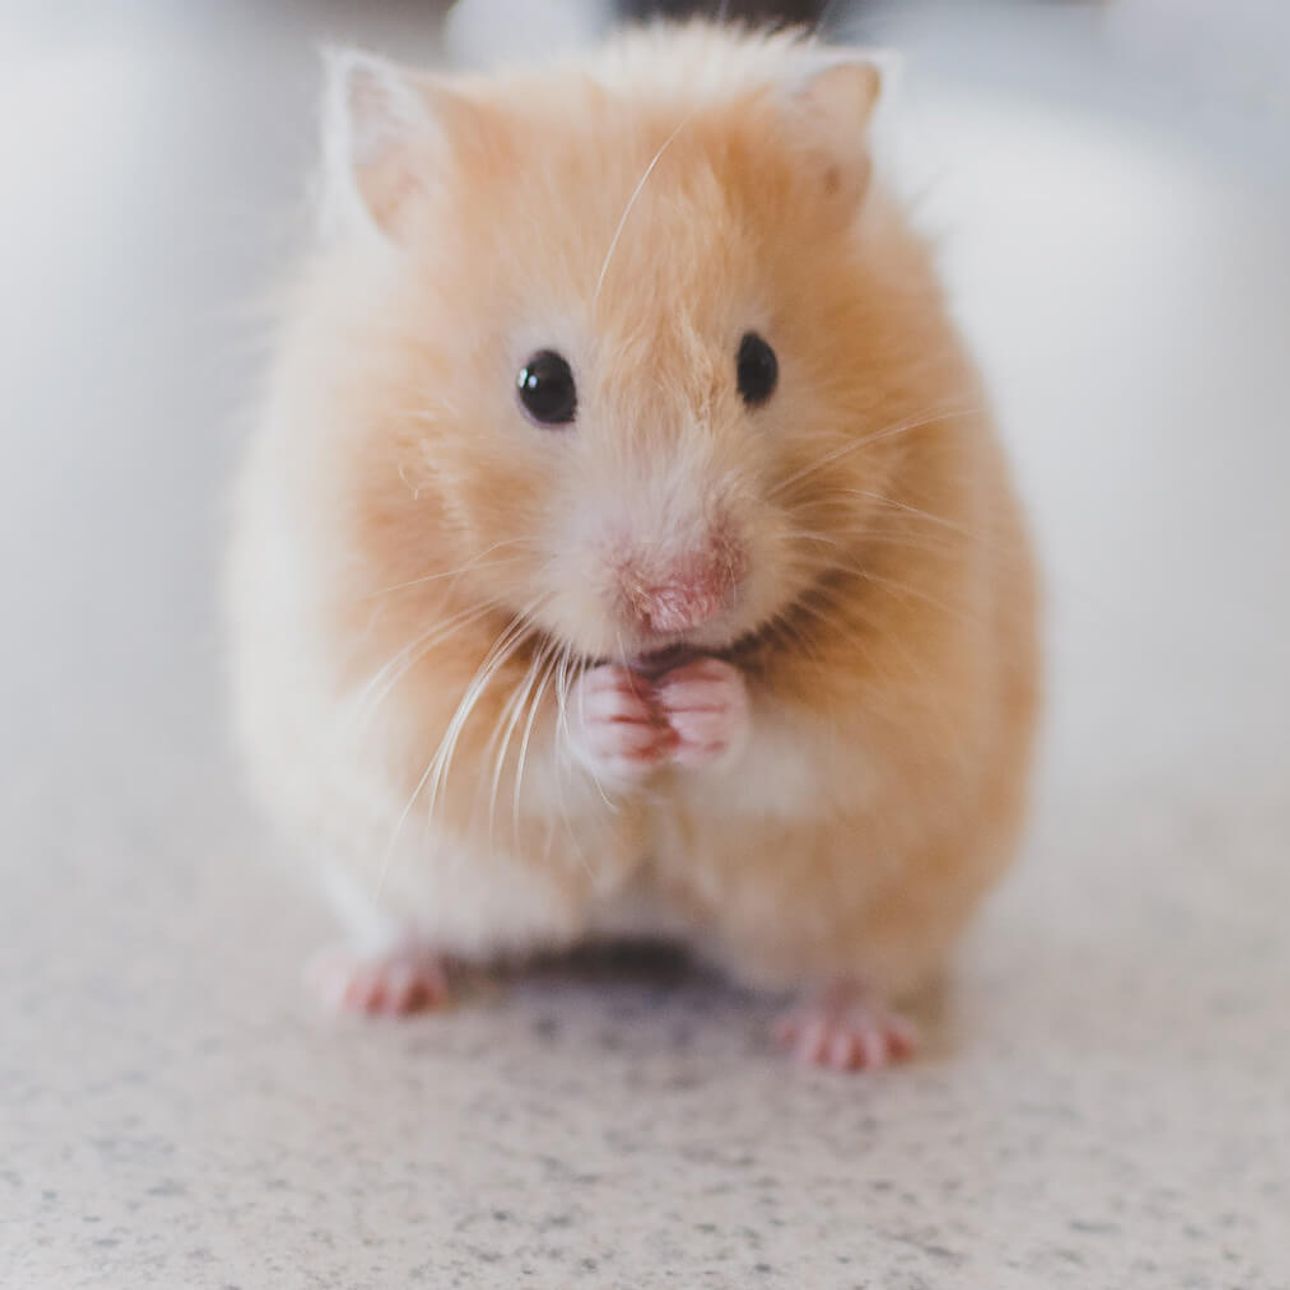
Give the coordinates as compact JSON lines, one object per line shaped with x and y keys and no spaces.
{"x":832,"y":113}
{"x":388,"y":135}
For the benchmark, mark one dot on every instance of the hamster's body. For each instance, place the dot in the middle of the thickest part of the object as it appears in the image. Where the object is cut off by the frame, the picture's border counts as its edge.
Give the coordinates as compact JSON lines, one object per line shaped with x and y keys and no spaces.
{"x":742,"y":650}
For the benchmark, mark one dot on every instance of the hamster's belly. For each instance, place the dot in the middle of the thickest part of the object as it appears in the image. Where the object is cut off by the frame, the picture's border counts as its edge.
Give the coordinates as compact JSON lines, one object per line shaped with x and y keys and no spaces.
{"x":461,"y":901}
{"x":636,"y":910}
{"x":474,"y":898}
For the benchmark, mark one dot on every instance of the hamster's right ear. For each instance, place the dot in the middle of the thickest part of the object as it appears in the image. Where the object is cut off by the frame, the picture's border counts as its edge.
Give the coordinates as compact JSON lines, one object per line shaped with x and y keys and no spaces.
{"x":385,"y":139}
{"x":832,"y":110}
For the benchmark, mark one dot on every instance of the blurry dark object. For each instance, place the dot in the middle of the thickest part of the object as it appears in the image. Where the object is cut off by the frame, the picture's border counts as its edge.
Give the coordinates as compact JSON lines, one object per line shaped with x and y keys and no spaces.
{"x":808,"y":12}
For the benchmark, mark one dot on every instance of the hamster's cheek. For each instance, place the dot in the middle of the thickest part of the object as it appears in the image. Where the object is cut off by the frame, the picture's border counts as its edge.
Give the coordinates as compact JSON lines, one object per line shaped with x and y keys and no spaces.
{"x":777,"y":575}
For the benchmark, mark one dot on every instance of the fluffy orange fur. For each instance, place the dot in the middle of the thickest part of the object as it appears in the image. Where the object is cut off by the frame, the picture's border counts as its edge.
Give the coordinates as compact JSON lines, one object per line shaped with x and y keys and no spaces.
{"x":419,"y":574}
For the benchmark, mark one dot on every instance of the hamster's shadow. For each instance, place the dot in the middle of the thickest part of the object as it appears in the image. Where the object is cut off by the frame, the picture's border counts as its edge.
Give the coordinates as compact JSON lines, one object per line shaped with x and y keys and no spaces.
{"x":638,"y":964}
{"x":621,"y":995}
{"x":647,"y":995}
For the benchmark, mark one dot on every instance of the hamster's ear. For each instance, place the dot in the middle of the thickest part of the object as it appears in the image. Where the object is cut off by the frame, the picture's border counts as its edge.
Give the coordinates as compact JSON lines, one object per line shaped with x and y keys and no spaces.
{"x":832,"y":110}
{"x":384,"y":140}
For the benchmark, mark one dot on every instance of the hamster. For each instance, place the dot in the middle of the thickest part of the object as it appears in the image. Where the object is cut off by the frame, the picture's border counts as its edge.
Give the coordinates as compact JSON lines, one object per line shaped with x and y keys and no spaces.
{"x":625,"y":545}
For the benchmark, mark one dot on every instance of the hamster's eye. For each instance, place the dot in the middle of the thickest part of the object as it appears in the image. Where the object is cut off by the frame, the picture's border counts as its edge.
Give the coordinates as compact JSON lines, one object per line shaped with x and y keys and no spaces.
{"x":757,"y":368}
{"x":546,"y":389}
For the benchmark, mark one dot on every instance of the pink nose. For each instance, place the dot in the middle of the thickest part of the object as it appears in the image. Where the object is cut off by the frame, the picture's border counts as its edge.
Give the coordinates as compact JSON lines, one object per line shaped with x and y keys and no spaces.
{"x":692,"y":592}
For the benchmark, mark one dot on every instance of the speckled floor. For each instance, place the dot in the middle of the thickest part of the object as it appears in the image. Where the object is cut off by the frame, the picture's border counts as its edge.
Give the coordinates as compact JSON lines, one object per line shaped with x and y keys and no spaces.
{"x":1106,"y":1101}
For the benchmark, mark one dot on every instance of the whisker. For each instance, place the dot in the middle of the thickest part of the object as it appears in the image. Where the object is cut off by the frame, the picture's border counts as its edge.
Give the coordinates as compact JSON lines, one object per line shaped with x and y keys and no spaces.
{"x":909,"y":590}
{"x":534,"y":706}
{"x":509,"y":640}
{"x":854,"y":445}
{"x":563,"y":760}
{"x":475,"y":562}
{"x":907,"y":508}
{"x":362,"y":706}
{"x":632,"y":200}
{"x":511,"y":714}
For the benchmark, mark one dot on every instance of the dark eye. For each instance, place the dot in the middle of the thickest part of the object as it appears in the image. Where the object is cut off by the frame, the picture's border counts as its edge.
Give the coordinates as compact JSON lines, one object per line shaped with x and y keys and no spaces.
{"x":546,"y":389}
{"x":758,"y":370}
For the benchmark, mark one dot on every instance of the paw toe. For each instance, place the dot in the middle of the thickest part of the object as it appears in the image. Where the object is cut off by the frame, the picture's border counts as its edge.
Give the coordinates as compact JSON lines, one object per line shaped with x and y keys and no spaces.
{"x":395,"y":985}
{"x":856,"y":1037}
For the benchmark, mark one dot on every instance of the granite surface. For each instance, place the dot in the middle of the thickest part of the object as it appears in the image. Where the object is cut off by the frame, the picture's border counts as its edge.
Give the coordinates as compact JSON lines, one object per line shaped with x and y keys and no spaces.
{"x":1106,"y":1098}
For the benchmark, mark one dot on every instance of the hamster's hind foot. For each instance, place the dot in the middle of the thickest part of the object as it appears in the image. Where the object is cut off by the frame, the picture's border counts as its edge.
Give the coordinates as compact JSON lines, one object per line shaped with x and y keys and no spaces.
{"x":847,"y":1029}
{"x":397,"y":983}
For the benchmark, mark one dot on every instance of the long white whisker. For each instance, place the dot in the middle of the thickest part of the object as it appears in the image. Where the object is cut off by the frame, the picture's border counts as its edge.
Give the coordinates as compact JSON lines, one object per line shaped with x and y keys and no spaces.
{"x":519,"y":632}
{"x":853,"y":445}
{"x":534,"y":706}
{"x":896,"y":504}
{"x":631,"y":202}
{"x":436,"y":768}
{"x":367,"y":700}
{"x":564,"y":761}
{"x":511,"y":715}
{"x":475,"y":562}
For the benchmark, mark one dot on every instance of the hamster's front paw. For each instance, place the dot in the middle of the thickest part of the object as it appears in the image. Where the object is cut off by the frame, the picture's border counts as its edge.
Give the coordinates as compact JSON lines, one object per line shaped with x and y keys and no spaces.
{"x":706,"y":706}
{"x":615,"y":727}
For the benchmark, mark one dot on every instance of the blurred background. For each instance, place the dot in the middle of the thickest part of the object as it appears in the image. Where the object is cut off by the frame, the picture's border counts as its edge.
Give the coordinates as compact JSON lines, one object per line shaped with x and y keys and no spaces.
{"x":1109,"y":186}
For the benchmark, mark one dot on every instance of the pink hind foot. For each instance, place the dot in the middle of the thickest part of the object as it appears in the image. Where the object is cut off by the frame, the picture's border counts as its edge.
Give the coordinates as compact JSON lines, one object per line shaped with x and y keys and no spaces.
{"x":397,"y":983}
{"x":846,"y":1029}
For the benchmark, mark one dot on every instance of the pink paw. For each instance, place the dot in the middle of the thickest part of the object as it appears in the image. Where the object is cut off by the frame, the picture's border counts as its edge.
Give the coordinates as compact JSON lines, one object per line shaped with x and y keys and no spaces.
{"x":706,"y":706}
{"x":394,"y":984}
{"x":846,"y":1030}
{"x":616,"y":729}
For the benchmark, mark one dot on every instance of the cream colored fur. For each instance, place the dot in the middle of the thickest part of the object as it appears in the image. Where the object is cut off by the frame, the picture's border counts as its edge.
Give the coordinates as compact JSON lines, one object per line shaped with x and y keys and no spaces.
{"x":397,"y":516}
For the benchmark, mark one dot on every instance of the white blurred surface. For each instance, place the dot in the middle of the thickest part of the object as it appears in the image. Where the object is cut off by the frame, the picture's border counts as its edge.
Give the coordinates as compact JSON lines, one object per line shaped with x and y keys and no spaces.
{"x":1106,"y":1103}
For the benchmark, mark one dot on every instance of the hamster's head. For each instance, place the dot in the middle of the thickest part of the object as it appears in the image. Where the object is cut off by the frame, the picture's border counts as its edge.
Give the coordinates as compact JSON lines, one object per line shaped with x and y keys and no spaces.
{"x":634,"y":330}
